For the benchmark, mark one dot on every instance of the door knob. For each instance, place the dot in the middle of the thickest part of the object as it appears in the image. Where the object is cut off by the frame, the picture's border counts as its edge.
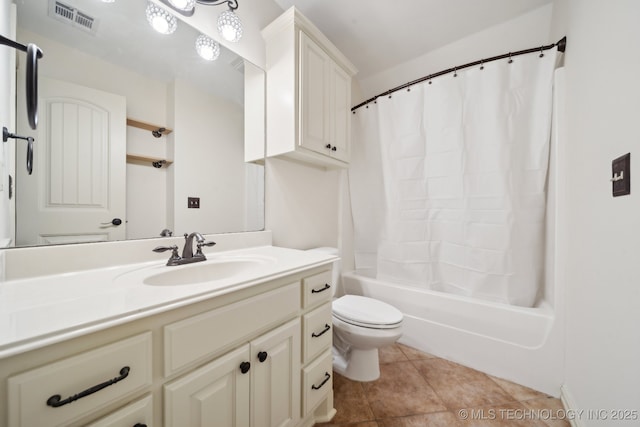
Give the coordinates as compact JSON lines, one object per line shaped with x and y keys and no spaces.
{"x":114,"y":221}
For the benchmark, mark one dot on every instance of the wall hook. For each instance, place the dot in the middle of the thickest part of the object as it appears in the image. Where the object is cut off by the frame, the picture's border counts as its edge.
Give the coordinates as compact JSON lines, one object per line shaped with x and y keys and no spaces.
{"x":158,"y":132}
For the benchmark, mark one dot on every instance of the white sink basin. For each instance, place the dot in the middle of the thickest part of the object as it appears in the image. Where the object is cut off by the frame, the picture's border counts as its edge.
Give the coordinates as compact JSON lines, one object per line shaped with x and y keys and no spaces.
{"x":206,"y":271}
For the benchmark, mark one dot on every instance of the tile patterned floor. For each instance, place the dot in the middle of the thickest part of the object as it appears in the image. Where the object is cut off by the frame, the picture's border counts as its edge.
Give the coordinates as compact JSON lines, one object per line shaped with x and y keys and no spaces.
{"x":416,"y":389}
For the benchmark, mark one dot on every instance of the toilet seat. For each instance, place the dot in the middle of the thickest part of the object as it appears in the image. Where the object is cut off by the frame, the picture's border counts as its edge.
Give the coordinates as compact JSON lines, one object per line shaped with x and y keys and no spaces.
{"x":366,"y":312}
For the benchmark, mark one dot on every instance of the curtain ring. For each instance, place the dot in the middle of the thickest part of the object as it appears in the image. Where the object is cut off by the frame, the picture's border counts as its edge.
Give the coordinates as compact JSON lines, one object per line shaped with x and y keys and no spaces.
{"x":541,"y":54}
{"x":455,"y":72}
{"x":482,"y":64}
{"x":510,"y":59}
{"x":430,"y":79}
{"x":409,"y":89}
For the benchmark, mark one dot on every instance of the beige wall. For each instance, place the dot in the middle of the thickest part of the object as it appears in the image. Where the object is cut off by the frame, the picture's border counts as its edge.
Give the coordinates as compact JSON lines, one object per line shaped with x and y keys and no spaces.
{"x":209,"y":161}
{"x":600,"y":245}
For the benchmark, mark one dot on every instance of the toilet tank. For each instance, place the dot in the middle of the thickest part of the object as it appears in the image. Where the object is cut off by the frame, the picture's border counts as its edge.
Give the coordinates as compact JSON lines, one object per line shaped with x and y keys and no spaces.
{"x":336,"y":268}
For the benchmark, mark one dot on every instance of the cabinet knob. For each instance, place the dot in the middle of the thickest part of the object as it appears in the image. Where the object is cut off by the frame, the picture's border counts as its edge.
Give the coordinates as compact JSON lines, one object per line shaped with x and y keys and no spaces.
{"x":244,"y":367}
{"x":334,"y":148}
{"x":328,"y":146}
{"x":262,"y":356}
{"x":140,"y":425}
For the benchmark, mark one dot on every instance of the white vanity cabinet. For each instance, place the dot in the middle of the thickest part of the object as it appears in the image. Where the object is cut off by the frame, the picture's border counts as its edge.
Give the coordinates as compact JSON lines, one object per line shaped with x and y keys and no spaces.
{"x":317,"y":374}
{"x":59,"y":393}
{"x":308,"y":93}
{"x":256,"y":385}
{"x":258,"y":356}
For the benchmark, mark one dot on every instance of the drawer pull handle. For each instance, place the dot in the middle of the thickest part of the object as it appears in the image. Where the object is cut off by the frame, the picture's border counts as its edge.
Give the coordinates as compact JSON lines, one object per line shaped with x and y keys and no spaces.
{"x":55,"y":399}
{"x":262,"y":356}
{"x":317,"y":291}
{"x":327,"y":377}
{"x":244,"y":367}
{"x":324,"y":331}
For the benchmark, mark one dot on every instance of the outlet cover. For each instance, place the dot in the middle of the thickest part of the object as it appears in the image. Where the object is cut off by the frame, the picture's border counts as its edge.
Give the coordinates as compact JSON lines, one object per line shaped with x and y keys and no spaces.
{"x":193,"y":203}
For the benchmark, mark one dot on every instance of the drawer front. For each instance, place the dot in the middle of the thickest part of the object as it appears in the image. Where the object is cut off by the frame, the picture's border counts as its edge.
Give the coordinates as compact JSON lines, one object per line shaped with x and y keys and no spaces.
{"x":317,"y":382}
{"x":197,"y":337}
{"x":31,"y":394}
{"x":317,"y":289}
{"x":139,"y":413}
{"x":317,"y":332}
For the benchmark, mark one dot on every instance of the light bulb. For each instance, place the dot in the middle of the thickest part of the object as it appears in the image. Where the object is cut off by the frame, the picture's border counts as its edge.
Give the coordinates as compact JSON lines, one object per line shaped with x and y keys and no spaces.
{"x":183,"y":4}
{"x":161,"y":20}
{"x":229,"y":26}
{"x":207,"y":48}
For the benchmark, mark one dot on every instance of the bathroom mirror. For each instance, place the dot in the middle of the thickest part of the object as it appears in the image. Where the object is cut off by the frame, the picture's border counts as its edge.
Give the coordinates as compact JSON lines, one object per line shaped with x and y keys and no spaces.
{"x":108,"y":83}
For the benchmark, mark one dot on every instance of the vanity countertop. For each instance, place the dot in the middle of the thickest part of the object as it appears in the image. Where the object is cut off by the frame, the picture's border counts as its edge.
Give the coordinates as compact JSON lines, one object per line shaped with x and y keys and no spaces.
{"x":43,"y":310}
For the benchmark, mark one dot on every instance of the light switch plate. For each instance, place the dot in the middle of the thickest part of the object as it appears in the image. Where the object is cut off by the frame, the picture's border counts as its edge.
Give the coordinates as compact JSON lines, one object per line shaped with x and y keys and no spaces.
{"x":193,"y":203}
{"x":621,"y":175}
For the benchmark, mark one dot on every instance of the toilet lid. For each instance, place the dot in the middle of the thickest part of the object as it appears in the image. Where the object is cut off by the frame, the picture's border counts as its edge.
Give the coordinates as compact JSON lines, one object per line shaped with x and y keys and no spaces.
{"x":366,"y":312}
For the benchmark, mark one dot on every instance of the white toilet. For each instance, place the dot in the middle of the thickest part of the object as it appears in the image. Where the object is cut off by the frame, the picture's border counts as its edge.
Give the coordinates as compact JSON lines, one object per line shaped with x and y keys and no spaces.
{"x":361,"y":325}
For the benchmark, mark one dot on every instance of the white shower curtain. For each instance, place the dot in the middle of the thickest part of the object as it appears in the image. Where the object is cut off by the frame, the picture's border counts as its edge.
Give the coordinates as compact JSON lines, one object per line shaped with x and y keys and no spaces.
{"x":448,"y":181}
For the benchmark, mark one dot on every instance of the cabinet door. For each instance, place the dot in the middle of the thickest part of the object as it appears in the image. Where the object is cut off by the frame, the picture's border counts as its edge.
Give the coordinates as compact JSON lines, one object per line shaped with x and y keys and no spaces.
{"x":314,"y":96}
{"x":340,"y":112}
{"x":275,"y":376}
{"x":215,"y":395}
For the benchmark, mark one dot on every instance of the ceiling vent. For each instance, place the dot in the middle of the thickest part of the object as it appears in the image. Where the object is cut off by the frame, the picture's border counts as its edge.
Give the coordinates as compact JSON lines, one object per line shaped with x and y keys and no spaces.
{"x":72,"y":16}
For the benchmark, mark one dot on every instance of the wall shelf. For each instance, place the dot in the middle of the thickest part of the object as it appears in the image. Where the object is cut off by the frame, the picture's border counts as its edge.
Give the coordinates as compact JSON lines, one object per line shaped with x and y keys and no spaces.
{"x":156,"y":162}
{"x":156,"y":130}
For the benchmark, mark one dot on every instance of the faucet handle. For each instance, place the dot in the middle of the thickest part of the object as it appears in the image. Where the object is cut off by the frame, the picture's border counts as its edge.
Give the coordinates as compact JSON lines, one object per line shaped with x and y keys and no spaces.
{"x":174,"y":253}
{"x":201,"y":244}
{"x":166,"y":248}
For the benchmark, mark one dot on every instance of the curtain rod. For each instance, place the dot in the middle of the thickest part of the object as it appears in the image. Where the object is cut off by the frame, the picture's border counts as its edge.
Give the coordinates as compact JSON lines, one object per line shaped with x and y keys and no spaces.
{"x":561,"y":44}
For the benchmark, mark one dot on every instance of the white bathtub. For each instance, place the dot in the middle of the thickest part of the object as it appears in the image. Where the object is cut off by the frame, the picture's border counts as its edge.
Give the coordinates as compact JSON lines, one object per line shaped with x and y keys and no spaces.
{"x":520,"y":344}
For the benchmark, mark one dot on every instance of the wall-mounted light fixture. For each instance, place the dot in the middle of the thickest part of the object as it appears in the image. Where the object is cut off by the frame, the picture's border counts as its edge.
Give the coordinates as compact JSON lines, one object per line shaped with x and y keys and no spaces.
{"x":229,"y":25}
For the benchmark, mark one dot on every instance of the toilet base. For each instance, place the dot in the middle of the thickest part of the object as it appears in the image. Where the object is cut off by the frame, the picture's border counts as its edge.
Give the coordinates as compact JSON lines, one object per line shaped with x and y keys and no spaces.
{"x":358,"y":365}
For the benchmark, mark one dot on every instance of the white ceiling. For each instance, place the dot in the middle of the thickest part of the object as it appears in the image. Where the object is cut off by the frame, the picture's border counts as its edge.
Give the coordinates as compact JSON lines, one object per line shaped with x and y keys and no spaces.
{"x":376,"y":35}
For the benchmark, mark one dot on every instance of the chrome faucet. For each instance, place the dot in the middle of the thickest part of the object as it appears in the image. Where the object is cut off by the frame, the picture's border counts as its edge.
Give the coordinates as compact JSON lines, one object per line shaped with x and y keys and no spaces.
{"x":187,"y":252}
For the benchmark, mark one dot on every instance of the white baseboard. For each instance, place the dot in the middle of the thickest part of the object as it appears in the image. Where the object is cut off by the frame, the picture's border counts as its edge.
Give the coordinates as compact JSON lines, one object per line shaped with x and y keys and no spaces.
{"x":570,"y":406}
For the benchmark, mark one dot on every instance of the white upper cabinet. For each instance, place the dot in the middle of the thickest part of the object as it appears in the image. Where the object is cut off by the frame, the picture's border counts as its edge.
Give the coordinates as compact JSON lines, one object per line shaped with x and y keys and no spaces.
{"x":308,"y":93}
